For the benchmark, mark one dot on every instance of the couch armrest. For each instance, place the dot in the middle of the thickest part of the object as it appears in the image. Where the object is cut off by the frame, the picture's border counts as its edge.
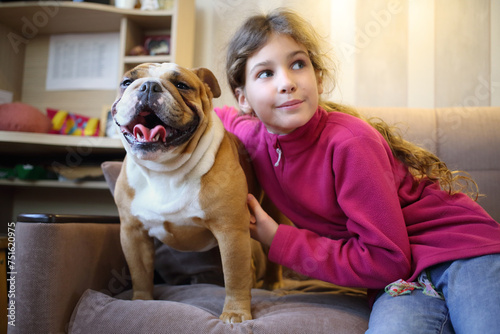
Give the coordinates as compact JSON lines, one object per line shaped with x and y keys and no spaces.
{"x":57,"y":258}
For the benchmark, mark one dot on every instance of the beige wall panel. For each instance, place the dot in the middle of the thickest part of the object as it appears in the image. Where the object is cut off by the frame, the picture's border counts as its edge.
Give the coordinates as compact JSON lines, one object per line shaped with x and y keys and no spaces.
{"x":227,"y":16}
{"x":11,"y":78}
{"x":495,"y":52}
{"x":382,"y":45}
{"x":342,"y":39}
{"x":421,"y":54}
{"x":427,"y":53}
{"x":462,"y":53}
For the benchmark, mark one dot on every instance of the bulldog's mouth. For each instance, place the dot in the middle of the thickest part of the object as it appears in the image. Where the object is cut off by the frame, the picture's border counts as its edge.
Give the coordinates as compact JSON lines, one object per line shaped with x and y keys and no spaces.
{"x":148,"y":131}
{"x":146,"y":127}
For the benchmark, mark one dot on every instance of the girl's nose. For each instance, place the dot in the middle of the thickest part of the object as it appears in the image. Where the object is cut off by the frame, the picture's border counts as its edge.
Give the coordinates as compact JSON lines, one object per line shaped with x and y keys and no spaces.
{"x":286,"y":85}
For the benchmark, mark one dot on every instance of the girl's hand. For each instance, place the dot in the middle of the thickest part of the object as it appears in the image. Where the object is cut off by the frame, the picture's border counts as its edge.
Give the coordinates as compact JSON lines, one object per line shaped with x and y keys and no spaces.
{"x":262,"y":226}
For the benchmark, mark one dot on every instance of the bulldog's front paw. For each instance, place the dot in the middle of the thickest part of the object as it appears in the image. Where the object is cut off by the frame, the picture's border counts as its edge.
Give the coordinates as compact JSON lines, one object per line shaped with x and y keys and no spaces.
{"x":141,"y":295}
{"x":232,"y":317}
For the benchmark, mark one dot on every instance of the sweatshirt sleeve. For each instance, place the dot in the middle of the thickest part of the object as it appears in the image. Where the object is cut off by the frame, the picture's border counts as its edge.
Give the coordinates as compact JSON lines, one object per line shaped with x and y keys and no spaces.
{"x":243,"y":126}
{"x":228,"y":116}
{"x":376,"y":250}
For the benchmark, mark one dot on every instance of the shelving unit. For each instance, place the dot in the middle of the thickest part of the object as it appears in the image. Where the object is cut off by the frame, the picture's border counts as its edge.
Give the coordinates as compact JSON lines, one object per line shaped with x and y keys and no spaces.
{"x":23,"y":70}
{"x":28,"y":26}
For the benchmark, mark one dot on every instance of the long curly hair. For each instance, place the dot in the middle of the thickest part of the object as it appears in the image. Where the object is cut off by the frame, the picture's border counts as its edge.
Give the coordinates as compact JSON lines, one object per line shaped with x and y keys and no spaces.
{"x":254,"y":34}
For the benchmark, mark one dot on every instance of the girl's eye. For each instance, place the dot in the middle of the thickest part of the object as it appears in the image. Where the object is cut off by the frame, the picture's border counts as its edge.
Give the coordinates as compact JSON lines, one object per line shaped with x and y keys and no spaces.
{"x":265,"y":74}
{"x":298,"y":65}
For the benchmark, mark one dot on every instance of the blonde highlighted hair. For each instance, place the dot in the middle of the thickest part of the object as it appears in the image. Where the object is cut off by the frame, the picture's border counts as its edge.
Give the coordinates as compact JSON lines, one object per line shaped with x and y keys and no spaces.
{"x":254,"y":34}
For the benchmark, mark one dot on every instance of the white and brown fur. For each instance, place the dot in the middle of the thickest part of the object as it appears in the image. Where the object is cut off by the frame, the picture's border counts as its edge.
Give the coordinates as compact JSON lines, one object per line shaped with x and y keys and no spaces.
{"x":185,"y":185}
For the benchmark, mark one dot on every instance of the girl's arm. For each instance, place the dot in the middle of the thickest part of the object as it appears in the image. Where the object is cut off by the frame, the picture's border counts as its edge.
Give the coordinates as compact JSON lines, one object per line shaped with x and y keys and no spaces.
{"x":227,"y":115}
{"x":243,"y":126}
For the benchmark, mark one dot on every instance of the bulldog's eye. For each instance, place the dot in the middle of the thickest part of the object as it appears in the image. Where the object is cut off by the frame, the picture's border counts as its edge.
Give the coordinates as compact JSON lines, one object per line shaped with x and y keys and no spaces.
{"x":125,"y":83}
{"x":182,"y":85}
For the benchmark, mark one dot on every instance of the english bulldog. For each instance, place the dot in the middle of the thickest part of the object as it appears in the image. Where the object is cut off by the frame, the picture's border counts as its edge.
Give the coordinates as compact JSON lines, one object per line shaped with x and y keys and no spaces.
{"x":181,"y":180}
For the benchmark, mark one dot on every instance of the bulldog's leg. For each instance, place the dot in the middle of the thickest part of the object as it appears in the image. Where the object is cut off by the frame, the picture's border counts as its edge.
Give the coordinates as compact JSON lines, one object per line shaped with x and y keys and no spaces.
{"x":234,"y":245}
{"x":138,"y":248}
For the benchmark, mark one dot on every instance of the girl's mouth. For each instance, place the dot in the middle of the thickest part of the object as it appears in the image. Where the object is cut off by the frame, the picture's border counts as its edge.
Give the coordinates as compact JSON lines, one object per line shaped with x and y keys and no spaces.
{"x":290,"y":104}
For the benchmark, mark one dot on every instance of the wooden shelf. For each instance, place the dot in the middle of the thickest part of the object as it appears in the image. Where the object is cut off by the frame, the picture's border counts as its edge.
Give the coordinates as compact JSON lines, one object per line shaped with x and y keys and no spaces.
{"x":20,"y":143}
{"x":55,"y":184}
{"x":58,"y":140}
{"x":146,"y":59}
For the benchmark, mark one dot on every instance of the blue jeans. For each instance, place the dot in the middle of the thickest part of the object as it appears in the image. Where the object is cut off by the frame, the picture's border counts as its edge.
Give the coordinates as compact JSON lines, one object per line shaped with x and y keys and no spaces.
{"x":471,"y":289}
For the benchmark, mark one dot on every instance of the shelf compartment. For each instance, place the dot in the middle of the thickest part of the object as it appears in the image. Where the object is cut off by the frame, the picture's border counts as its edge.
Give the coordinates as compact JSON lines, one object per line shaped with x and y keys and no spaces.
{"x":134,"y":33}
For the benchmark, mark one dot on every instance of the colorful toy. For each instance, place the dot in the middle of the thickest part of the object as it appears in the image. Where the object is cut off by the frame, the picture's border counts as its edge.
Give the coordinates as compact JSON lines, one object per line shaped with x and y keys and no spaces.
{"x":64,"y":122}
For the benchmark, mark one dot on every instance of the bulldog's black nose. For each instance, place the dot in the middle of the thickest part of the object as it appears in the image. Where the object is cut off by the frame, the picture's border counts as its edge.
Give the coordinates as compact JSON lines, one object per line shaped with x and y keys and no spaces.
{"x":150,"y":87}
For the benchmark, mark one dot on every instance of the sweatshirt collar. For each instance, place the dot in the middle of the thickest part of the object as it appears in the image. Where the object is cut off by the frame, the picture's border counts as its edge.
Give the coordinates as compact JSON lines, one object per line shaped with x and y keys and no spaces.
{"x":301,"y":138}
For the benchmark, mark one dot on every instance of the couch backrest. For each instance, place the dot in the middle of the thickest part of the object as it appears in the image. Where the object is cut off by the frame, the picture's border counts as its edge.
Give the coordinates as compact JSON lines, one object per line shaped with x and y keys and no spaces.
{"x":464,"y":138}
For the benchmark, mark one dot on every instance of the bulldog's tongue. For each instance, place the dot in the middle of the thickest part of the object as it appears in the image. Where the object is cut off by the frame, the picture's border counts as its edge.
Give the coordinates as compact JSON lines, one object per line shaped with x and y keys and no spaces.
{"x":144,"y":134}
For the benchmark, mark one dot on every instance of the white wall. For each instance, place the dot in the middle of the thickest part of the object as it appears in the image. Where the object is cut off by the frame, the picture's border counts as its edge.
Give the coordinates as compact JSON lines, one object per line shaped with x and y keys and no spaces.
{"x":416,"y":53}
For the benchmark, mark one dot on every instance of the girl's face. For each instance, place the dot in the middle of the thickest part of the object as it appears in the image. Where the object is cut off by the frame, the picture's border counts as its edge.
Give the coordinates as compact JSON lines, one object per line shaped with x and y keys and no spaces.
{"x":281,"y":86}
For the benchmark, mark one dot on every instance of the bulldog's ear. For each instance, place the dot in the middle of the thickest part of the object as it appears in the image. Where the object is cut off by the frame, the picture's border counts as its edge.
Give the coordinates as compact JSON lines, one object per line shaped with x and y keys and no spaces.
{"x":209,"y":78}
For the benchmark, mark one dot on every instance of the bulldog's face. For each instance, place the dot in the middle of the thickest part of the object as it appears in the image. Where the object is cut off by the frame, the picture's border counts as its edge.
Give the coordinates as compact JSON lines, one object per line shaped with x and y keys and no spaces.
{"x":161,"y":106}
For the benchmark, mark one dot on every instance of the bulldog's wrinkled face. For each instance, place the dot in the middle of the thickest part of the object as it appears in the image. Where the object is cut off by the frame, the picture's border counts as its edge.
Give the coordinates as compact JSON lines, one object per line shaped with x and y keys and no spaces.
{"x":160,"y":106}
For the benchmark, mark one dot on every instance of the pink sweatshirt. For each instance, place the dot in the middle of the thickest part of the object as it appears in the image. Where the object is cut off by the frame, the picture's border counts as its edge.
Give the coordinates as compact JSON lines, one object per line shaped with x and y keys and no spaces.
{"x":360,"y":219}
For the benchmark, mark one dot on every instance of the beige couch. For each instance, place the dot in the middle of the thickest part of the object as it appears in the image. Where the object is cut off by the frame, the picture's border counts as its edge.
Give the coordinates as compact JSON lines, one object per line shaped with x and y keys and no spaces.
{"x":465,"y":138}
{"x":71,"y":274}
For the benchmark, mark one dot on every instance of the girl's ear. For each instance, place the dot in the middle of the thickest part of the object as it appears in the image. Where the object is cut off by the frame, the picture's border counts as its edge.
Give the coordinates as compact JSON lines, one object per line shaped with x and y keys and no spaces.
{"x":242,"y":101}
{"x":319,"y":80}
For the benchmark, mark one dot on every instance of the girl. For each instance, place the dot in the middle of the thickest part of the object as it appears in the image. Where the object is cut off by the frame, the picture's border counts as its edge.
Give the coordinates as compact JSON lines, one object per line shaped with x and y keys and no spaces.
{"x":370,"y":209}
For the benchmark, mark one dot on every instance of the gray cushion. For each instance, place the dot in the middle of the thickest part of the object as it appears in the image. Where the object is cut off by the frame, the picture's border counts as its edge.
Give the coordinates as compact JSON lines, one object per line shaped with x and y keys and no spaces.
{"x":301,"y":307}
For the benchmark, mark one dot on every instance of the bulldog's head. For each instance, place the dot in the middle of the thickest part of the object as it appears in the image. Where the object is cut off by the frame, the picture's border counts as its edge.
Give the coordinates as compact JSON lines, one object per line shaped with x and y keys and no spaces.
{"x":161,"y":106}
